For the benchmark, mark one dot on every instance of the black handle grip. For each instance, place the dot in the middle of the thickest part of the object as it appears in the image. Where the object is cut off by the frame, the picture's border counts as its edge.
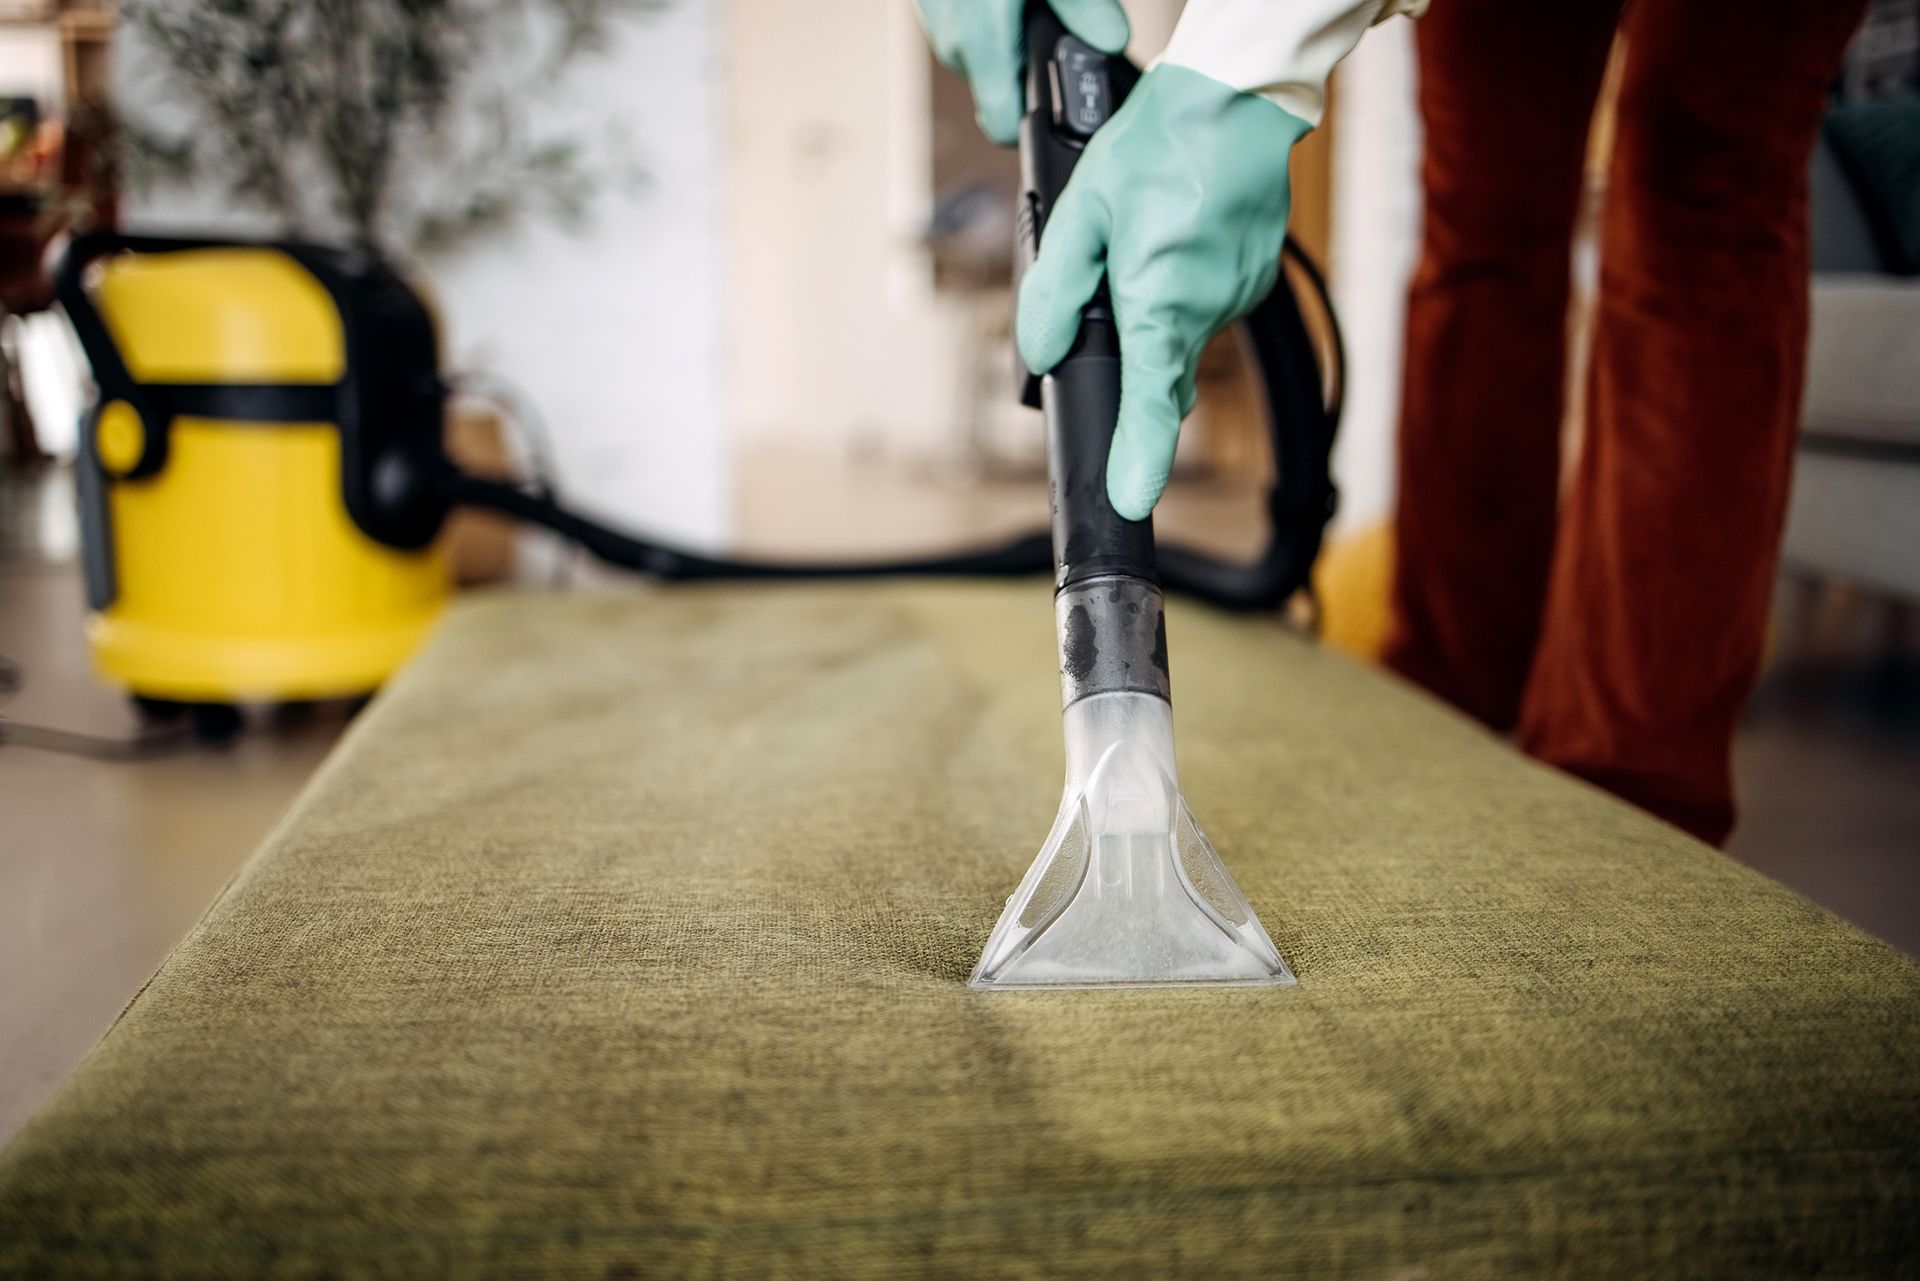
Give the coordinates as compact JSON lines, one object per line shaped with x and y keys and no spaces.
{"x":1071,"y":90}
{"x":1081,"y":397}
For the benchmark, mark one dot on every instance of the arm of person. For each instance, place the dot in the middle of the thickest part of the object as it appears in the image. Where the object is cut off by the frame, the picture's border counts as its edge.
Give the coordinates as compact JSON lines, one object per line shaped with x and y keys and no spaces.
{"x":1280,"y":50}
{"x":1180,"y":205}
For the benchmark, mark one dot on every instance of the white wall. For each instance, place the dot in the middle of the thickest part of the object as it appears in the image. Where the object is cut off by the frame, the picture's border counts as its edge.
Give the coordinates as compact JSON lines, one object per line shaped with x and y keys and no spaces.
{"x":30,"y":66}
{"x":612,"y":330}
{"x":834,"y":333}
{"x":615,"y":330}
{"x":1376,"y":229}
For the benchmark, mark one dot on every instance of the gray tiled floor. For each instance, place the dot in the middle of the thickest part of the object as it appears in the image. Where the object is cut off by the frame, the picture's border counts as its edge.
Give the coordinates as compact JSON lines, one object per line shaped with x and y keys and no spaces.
{"x":105,"y":864}
{"x":1828,"y":762}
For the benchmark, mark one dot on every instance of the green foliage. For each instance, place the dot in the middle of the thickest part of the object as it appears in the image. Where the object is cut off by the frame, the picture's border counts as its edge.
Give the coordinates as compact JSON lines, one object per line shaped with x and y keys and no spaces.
{"x":395,"y":124}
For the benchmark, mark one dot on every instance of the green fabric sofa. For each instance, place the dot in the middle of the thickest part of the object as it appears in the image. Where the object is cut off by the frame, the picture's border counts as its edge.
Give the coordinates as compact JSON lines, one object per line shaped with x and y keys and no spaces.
{"x":627,"y":936}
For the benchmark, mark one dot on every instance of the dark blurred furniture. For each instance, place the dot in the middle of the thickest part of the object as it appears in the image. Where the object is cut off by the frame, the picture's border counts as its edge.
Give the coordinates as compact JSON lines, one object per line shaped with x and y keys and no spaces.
{"x":35,"y":211}
{"x":1855,"y":513}
{"x":24,"y":288}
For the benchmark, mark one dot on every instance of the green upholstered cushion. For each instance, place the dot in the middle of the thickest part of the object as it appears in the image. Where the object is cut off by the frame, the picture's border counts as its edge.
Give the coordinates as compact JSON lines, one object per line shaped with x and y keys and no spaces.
{"x":627,"y":935}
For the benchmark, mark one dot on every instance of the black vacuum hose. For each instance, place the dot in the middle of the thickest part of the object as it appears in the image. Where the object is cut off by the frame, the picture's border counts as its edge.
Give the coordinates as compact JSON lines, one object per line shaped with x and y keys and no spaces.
{"x":1029,"y":554}
{"x":1301,"y":424}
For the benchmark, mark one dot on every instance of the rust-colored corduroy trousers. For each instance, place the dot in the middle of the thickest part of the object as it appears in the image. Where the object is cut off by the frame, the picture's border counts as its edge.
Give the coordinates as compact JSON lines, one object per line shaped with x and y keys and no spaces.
{"x":1618,"y":630}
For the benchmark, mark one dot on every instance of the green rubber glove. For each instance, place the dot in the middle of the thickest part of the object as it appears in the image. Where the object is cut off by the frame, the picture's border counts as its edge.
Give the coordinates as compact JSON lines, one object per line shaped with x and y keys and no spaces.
{"x":984,"y":41}
{"x":1180,"y":202}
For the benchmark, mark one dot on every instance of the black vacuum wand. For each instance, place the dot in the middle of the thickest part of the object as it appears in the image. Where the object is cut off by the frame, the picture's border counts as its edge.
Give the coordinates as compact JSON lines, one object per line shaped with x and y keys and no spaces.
{"x":1105,"y":577}
{"x":1126,"y":890}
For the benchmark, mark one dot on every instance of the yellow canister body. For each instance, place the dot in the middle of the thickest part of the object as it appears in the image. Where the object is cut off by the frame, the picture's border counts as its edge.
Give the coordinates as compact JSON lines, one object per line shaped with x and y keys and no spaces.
{"x":238,"y":572}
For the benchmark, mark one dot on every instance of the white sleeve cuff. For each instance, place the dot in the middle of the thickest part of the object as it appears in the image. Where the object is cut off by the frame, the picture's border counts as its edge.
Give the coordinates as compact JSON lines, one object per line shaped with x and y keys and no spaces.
{"x":1282,"y":50}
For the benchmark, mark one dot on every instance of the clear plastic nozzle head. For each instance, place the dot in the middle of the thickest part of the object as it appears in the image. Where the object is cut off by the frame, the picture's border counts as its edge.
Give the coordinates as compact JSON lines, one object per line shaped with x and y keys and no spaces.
{"x":1126,"y":890}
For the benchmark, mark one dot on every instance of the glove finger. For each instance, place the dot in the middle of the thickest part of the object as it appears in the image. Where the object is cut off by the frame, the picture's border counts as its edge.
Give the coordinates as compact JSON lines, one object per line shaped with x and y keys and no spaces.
{"x":1101,"y":23}
{"x":1062,"y":280}
{"x":996,"y":98}
{"x":1152,"y":375}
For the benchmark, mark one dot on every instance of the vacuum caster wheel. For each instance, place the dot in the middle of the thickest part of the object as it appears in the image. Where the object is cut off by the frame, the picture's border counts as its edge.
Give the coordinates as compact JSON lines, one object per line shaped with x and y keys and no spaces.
{"x":215,"y":722}
{"x":158,"y":709}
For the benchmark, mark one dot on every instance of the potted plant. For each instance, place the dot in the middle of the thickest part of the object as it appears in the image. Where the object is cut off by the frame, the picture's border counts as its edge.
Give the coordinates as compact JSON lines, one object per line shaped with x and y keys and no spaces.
{"x":397,"y":126}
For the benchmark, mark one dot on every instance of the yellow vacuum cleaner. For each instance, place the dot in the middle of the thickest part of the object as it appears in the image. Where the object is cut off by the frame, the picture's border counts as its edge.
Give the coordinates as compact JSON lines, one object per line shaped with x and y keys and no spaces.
{"x":256,"y":469}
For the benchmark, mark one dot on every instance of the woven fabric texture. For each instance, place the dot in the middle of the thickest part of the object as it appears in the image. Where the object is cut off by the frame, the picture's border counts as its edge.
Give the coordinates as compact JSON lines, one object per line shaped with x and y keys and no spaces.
{"x":627,"y":935}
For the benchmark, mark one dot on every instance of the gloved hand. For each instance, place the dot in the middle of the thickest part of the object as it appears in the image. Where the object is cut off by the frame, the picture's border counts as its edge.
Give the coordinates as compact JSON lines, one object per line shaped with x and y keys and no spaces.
{"x":1180,"y":202}
{"x":983,"y":39}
